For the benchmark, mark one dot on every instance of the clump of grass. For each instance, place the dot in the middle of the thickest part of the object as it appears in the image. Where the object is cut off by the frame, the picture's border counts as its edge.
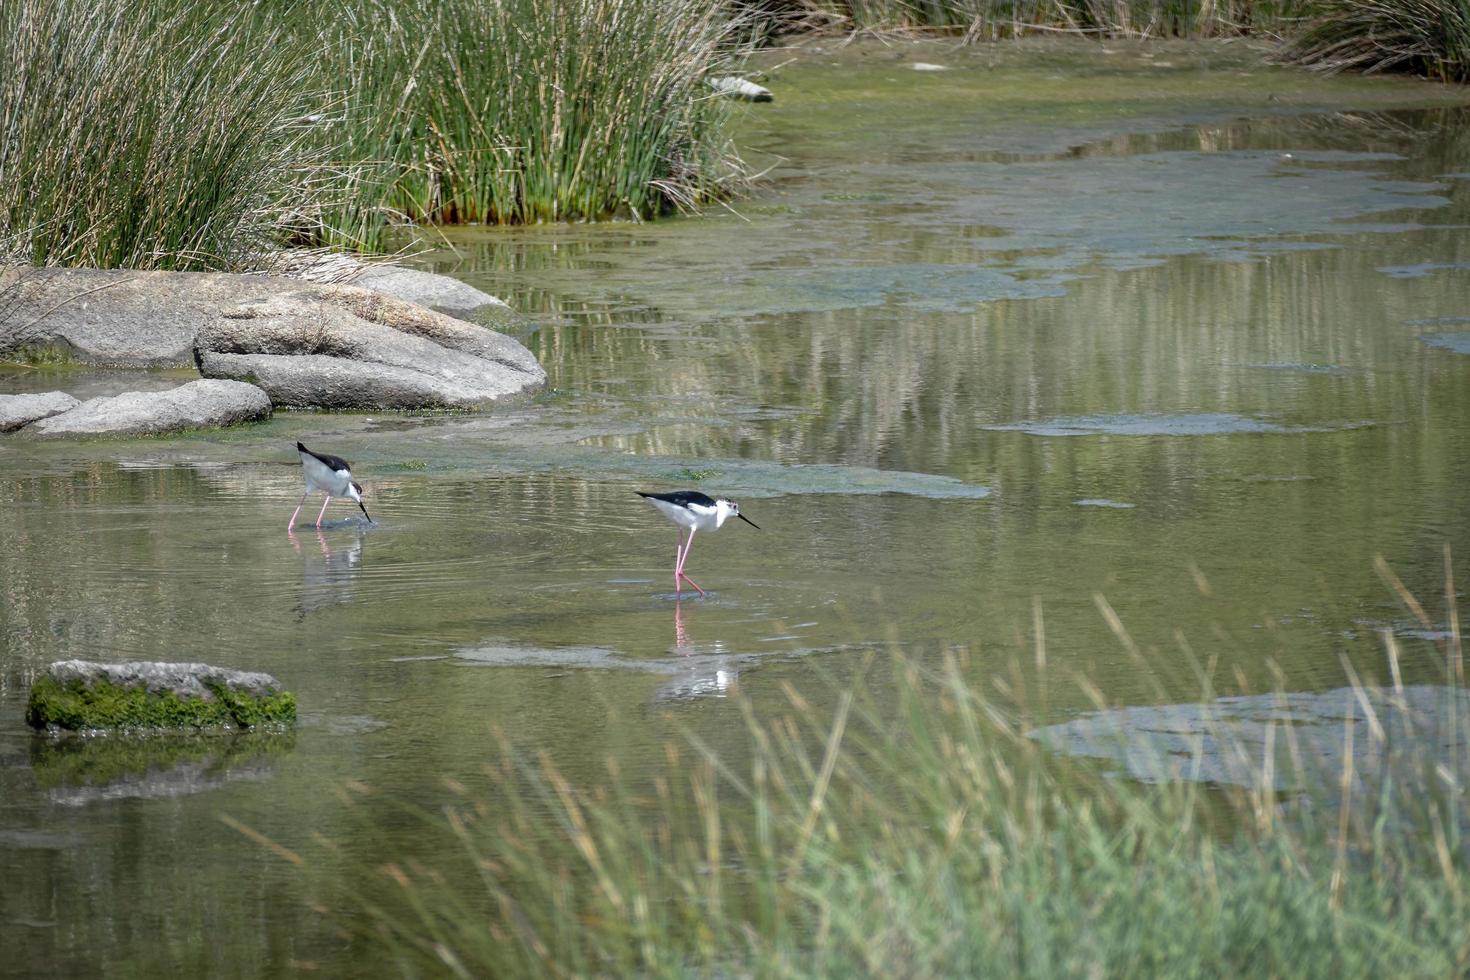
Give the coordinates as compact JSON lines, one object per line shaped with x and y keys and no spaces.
{"x":150,"y":135}
{"x":1430,"y":37}
{"x":535,"y":110}
{"x":182,"y":134}
{"x":994,"y":19}
{"x":921,"y":828}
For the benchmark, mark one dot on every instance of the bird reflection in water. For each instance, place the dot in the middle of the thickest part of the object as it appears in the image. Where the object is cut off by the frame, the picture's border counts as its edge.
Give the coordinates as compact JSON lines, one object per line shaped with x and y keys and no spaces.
{"x":327,"y":574}
{"x":698,"y":673}
{"x":681,"y":635}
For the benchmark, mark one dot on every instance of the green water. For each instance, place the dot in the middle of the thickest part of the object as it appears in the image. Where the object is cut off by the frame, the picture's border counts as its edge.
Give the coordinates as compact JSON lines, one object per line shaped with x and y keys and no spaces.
{"x":1053,"y":323}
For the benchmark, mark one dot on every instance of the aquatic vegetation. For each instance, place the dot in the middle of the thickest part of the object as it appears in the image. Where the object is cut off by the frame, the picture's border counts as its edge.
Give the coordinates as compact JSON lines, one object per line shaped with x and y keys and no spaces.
{"x":694,"y":473}
{"x":924,"y":828}
{"x":1431,"y":37}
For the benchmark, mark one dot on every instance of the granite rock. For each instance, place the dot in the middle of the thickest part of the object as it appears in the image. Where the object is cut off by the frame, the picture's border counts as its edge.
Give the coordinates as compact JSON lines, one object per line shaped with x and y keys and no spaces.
{"x":19,"y":410}
{"x":196,"y":405}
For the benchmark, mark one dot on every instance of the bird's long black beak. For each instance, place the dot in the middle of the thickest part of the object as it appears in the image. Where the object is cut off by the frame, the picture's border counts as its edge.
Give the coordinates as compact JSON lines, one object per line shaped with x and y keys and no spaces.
{"x":749,"y":521}
{"x":364,"y":511}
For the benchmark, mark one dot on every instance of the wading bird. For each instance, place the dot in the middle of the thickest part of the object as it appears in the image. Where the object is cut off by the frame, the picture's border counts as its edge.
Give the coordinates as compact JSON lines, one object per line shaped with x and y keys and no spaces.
{"x":332,"y":475}
{"x":692,"y":509}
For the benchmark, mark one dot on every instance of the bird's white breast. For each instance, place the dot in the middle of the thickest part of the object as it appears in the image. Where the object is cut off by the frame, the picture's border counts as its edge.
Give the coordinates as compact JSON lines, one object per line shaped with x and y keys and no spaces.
{"x":692,"y":516}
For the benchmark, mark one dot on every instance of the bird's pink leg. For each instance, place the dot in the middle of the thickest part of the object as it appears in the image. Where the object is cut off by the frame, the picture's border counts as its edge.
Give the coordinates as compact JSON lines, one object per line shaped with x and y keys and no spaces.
{"x":679,"y":573}
{"x":683,"y":553}
{"x":678,"y":561}
{"x":292,"y":523}
{"x":324,"y":510}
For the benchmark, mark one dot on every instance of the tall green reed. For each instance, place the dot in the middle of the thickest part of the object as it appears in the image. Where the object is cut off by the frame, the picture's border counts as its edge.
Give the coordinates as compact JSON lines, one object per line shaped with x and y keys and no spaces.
{"x":535,"y":110}
{"x":147,"y":135}
{"x":994,"y":19}
{"x":914,"y":825}
{"x":183,"y":134}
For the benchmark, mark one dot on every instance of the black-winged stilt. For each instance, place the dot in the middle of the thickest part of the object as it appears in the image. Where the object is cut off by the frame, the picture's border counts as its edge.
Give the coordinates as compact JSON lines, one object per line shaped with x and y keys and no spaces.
{"x":695,"y":511}
{"x":332,"y":475}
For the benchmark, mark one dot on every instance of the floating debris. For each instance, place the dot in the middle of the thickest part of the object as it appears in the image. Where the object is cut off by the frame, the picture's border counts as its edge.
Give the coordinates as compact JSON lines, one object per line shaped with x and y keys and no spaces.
{"x":739,"y":88}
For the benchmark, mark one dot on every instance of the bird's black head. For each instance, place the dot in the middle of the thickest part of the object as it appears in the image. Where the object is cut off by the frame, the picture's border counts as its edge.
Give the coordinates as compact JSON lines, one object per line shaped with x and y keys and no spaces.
{"x":733,"y":509}
{"x":356,"y":489}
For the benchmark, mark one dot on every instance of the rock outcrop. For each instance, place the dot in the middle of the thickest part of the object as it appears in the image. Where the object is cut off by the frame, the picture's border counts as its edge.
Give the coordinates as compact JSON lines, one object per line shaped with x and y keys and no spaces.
{"x":306,"y":344}
{"x":363,"y":350}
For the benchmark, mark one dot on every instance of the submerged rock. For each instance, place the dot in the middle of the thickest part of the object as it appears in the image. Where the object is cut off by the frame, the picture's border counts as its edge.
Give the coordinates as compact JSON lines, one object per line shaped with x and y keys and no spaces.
{"x":80,"y":695}
{"x":19,"y":410}
{"x":1457,"y":342}
{"x":196,"y":405}
{"x":1289,"y":741}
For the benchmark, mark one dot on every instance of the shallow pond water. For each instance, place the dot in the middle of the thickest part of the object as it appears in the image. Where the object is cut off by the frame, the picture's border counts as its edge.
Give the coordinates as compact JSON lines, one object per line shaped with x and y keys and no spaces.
{"x":1054,"y":323}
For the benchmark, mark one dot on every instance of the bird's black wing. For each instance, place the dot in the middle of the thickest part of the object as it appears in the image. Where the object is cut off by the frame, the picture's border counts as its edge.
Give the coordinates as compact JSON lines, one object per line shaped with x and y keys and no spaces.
{"x":334,"y":463}
{"x":681,"y":498}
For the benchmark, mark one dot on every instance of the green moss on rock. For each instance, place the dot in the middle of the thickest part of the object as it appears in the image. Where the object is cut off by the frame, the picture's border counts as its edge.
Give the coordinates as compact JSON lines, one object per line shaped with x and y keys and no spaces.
{"x":250,"y":711}
{"x":43,"y":355}
{"x":99,"y":704}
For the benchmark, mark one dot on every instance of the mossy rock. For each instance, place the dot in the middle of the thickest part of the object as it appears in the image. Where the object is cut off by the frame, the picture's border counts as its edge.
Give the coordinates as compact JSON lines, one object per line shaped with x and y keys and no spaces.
{"x":78,"y":695}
